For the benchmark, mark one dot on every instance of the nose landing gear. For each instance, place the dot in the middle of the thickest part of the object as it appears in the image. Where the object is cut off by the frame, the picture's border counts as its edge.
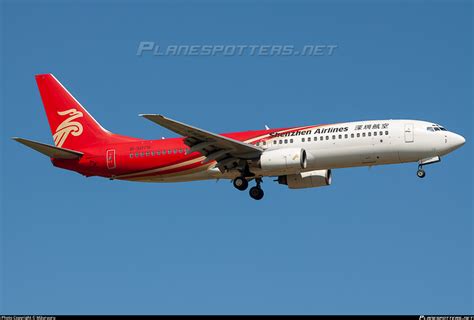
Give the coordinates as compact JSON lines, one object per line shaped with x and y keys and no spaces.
{"x":423,"y":162}
{"x":420,"y":173}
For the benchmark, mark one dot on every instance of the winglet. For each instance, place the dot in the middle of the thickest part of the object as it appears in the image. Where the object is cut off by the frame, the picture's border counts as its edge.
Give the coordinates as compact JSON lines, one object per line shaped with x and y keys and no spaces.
{"x":50,"y":151}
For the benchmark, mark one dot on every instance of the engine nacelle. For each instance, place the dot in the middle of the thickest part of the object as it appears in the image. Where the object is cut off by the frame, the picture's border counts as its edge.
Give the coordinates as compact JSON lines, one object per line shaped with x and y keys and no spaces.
{"x":284,"y":159}
{"x":310,"y":179}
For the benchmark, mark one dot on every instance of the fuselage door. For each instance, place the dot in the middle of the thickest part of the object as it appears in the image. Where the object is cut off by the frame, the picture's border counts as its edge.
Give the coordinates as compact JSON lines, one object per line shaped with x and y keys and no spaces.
{"x":110,"y":155}
{"x":409,"y":133}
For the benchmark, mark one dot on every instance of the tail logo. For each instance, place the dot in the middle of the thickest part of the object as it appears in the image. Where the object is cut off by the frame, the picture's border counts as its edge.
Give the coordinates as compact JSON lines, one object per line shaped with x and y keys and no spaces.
{"x":68,"y":126}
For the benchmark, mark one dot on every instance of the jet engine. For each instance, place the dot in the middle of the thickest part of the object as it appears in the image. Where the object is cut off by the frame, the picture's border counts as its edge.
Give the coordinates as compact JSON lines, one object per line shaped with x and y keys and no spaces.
{"x":284,"y":159}
{"x":310,"y":179}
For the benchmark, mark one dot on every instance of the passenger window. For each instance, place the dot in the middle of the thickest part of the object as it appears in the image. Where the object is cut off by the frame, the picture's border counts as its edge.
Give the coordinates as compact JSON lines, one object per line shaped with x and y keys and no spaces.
{"x":131,"y":155}
{"x":340,"y":136}
{"x":302,"y":139}
{"x":333,"y":137}
{"x":158,"y":152}
{"x":346,"y":136}
{"x":309,"y":139}
{"x":291,"y":140}
{"x":152,"y":153}
{"x":381,"y":133}
{"x":386,"y":133}
{"x":257,"y":144}
{"x":169,"y":151}
{"x":358,"y":135}
{"x":175,"y":151}
{"x":136,"y":155}
{"x":274,"y":142}
{"x":280,"y":141}
{"x":363,"y":134}
{"x":142,"y":154}
{"x":375,"y":133}
{"x":369,"y":133}
{"x":327,"y":137}
{"x":352,"y":135}
{"x":148,"y":153}
{"x":264,"y":143}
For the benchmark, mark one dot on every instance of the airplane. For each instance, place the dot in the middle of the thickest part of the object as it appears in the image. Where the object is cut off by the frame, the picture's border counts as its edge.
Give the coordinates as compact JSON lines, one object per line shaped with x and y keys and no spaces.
{"x":299,"y":157}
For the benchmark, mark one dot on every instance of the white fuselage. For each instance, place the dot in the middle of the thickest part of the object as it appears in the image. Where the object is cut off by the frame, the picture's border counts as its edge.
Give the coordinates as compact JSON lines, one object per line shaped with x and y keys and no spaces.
{"x":353,"y":144}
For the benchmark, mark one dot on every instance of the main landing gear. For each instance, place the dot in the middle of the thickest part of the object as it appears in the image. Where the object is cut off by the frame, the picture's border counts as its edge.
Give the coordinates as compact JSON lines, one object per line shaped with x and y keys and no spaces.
{"x":241,"y":183}
{"x":257,"y":192}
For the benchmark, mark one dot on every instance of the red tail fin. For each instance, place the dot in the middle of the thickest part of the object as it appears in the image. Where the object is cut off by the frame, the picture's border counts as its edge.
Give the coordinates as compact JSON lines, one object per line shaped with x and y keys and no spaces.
{"x":71,"y":125}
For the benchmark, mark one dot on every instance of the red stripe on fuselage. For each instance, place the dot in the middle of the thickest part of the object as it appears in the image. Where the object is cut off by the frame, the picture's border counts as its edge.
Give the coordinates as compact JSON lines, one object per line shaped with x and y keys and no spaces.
{"x":94,"y":160}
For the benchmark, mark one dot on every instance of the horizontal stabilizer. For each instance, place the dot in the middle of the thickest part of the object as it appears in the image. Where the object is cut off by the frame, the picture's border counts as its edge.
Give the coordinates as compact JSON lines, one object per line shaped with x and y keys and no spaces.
{"x":50,"y":151}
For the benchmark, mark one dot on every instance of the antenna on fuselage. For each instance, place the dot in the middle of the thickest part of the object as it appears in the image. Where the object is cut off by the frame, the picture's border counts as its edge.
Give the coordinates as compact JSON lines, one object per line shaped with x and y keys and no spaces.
{"x":266,"y":127}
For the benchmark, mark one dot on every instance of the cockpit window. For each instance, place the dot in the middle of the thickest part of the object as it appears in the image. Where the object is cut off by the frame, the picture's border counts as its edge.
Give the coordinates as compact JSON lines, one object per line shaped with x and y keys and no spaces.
{"x":436,"y":127}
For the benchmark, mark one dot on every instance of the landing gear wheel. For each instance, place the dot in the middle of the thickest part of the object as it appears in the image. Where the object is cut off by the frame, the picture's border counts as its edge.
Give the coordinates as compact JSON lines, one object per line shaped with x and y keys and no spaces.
{"x":420,"y":173}
{"x":240,"y":183}
{"x":256,"y":193}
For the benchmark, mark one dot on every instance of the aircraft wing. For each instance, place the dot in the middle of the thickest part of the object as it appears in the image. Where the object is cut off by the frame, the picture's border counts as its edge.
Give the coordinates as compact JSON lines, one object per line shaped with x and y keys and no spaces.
{"x":50,"y":151}
{"x":212,"y":146}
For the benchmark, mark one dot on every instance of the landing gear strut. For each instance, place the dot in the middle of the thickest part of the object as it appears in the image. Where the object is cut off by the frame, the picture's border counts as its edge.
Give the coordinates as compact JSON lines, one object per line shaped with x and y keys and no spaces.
{"x":240,"y":183}
{"x":423,"y":162}
{"x":420,"y":173}
{"x":256,"y":192}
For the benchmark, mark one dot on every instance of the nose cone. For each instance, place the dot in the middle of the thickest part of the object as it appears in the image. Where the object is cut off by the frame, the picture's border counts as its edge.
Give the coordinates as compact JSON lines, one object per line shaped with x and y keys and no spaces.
{"x":457,"y":141}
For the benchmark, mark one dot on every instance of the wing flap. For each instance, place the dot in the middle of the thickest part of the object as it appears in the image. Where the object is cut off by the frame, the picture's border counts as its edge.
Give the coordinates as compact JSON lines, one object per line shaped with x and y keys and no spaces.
{"x":50,"y":151}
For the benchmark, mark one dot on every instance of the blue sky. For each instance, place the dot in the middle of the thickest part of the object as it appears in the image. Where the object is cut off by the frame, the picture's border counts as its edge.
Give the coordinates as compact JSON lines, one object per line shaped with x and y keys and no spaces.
{"x":378,"y":240}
